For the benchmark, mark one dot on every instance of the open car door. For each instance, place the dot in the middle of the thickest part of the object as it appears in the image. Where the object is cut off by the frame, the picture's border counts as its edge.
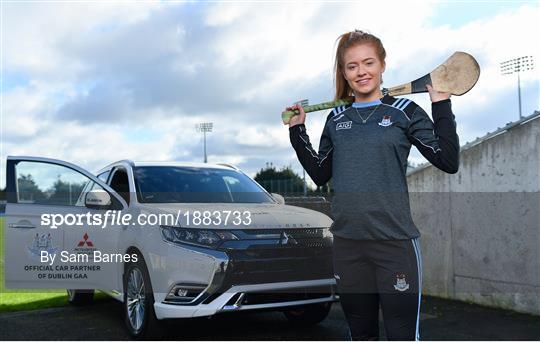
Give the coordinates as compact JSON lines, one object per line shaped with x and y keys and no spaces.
{"x":50,"y":234}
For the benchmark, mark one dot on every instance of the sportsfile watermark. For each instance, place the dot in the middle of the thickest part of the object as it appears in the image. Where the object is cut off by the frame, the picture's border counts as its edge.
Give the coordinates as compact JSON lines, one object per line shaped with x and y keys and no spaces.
{"x":478,"y":232}
{"x":111,"y":218}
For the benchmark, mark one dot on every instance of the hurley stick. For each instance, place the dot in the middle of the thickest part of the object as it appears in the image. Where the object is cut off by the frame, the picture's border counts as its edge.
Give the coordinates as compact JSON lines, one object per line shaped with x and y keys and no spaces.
{"x":457,"y":75}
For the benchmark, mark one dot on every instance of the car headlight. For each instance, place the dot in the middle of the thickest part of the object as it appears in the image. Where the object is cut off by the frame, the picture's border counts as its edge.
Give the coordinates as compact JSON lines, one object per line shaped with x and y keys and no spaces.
{"x":199,"y":237}
{"x":327,"y":234}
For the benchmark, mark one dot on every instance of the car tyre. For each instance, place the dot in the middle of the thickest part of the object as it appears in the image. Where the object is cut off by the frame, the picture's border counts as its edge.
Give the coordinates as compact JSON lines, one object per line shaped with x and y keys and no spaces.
{"x":139,"y":316}
{"x":80,"y":297}
{"x":309,"y":314}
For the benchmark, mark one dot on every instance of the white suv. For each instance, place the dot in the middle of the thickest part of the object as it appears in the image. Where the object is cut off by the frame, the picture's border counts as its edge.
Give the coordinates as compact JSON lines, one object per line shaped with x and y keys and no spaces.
{"x":259,"y":254}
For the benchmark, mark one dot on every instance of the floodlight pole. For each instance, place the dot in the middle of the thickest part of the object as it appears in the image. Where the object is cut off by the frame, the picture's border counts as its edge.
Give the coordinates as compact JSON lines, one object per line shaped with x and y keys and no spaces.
{"x":519,"y":97}
{"x":205,"y":157}
{"x":204,"y":127}
{"x":517,"y":65}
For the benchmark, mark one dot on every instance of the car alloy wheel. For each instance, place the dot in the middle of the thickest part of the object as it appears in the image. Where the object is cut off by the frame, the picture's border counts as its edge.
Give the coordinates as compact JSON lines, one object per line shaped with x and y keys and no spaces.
{"x":136,"y":299}
{"x":139,"y":314}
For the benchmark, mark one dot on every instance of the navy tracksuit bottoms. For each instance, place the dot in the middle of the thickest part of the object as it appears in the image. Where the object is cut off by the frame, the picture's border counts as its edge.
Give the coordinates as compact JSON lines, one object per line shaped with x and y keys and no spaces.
{"x":385,"y":273}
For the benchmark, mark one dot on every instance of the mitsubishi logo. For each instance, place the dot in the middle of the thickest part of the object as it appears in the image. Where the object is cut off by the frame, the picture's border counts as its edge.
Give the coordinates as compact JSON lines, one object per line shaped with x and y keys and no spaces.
{"x":85,"y":241}
{"x":287,"y":239}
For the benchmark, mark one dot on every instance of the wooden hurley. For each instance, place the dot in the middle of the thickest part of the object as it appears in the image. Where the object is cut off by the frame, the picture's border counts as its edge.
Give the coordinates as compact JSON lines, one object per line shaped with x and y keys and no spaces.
{"x":457,"y":75}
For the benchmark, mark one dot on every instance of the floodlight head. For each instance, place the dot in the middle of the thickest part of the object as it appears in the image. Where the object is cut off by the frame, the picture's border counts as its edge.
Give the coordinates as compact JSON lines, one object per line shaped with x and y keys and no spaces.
{"x":517,"y":65}
{"x":204,"y":127}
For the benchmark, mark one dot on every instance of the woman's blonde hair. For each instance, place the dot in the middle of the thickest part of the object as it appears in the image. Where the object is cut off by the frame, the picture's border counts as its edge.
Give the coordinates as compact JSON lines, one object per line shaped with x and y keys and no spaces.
{"x":345,"y":41}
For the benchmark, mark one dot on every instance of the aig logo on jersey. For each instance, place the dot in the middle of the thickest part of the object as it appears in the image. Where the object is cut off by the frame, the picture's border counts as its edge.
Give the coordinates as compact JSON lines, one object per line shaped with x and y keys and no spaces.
{"x":386,"y":121}
{"x":344,"y":125}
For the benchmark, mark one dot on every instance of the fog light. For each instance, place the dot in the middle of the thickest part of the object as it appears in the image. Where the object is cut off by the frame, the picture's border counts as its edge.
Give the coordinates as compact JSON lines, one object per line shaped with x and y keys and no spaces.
{"x":184,"y":293}
{"x":181,"y":292}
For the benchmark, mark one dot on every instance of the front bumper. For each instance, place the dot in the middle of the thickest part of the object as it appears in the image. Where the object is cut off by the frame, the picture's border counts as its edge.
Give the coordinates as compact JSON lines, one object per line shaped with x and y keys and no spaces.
{"x":235,"y":298}
{"x":260,"y":272}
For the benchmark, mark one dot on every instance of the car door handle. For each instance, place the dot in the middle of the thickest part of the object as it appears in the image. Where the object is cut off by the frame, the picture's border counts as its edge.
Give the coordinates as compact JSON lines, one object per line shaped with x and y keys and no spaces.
{"x":24,"y":226}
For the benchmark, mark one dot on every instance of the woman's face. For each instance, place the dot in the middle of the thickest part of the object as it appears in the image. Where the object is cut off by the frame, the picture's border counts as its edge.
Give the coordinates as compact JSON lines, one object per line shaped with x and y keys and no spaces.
{"x":363,"y":71}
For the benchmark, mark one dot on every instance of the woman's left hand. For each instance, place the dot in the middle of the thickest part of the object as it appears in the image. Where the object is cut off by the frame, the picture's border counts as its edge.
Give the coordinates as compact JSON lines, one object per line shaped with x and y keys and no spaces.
{"x":437,"y":95}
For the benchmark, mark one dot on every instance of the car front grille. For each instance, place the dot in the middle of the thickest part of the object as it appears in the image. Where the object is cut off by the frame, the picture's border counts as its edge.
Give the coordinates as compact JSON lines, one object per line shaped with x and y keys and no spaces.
{"x":272,"y":255}
{"x":279,"y":238}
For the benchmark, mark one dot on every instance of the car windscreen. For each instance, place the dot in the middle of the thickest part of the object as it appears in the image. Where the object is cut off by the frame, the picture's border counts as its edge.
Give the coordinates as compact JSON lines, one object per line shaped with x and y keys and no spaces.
{"x":168,"y":184}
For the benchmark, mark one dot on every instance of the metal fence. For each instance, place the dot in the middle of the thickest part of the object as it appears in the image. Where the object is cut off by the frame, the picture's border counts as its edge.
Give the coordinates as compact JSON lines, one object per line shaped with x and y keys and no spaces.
{"x":291,"y":187}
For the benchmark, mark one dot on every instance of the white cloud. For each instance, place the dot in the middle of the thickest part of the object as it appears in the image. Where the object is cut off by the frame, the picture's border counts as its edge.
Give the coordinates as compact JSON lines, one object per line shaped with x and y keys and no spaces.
{"x":130,"y":80}
{"x":34,"y":32}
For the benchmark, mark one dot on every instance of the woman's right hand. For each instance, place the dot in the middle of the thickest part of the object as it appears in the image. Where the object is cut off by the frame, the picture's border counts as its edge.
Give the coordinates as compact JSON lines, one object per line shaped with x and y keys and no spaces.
{"x":297,"y":119}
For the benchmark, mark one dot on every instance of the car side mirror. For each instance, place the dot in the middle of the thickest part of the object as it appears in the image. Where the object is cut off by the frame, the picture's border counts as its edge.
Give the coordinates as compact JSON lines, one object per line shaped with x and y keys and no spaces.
{"x":280,"y":199}
{"x":97,"y":198}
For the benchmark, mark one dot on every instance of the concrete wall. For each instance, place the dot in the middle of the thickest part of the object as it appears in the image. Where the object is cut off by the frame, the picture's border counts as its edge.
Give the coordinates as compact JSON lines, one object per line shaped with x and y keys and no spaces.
{"x":481,"y":227}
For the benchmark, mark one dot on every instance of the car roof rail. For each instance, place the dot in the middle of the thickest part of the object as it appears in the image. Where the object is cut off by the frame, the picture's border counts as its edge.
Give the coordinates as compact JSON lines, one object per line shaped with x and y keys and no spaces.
{"x":229,"y":165}
{"x":128,"y":161}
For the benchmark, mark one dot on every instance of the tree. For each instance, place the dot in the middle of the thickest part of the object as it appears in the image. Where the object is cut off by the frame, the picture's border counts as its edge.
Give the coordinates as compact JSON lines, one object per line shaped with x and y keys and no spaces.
{"x":65,"y":193}
{"x":28,"y":190}
{"x":279,"y":181}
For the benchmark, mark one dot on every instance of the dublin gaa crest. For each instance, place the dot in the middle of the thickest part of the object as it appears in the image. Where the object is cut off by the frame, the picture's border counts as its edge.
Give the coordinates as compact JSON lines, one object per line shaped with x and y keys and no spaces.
{"x":385,"y":122}
{"x":401,"y":283}
{"x":41,"y":243}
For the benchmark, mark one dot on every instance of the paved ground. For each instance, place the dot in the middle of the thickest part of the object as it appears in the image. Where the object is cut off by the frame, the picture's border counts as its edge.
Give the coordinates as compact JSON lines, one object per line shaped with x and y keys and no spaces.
{"x":440,"y":320}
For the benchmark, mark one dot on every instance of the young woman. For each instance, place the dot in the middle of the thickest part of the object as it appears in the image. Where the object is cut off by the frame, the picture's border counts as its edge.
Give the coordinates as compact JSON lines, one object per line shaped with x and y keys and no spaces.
{"x":364,"y":149}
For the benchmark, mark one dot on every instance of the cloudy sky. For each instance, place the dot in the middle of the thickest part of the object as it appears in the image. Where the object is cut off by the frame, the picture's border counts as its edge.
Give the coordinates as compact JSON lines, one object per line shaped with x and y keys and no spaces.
{"x":92,"y":82}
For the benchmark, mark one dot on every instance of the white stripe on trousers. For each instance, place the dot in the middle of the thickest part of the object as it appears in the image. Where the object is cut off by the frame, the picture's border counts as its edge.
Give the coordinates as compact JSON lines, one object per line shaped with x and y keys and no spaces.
{"x":418,"y":254}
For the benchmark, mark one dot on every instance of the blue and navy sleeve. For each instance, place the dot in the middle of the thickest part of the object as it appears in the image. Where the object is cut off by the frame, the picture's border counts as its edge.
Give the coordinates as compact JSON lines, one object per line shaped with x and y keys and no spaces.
{"x":317,"y":164}
{"x":437,"y":140}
